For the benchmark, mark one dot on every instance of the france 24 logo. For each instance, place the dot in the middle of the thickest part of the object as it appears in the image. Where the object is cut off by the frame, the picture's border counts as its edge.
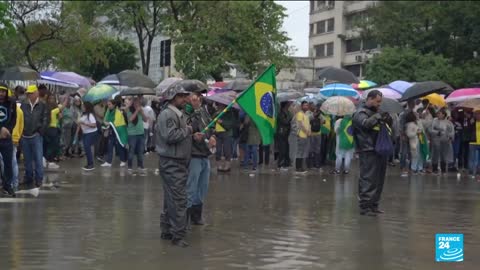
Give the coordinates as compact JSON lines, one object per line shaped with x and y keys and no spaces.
{"x":449,"y":247}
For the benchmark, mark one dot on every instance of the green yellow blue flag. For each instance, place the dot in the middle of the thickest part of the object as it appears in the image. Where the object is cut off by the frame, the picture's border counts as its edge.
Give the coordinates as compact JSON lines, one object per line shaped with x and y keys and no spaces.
{"x":259,"y":102}
{"x":345,"y":133}
{"x":327,"y":126}
{"x":424,"y":148}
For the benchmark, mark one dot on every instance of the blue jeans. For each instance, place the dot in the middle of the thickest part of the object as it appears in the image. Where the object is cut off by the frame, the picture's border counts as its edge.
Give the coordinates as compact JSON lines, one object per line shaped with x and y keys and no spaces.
{"x":89,"y":140}
{"x":121,"y":151}
{"x":33,"y":158}
{"x":136,"y":144}
{"x":417,"y":160}
{"x":252,"y":152}
{"x":197,"y":182}
{"x":473,"y":159}
{"x":235,"y":147}
{"x":14,"y":168}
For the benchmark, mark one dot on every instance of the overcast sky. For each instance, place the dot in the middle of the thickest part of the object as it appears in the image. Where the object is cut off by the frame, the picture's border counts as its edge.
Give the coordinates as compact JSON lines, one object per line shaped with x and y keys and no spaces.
{"x":296,"y":25}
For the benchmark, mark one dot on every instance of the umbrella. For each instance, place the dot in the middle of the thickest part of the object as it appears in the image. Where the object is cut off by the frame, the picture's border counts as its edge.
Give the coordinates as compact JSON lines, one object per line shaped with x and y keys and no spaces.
{"x":463,"y":94}
{"x":400,"y":86}
{"x":470,"y":103}
{"x":391,"y":106}
{"x":338,"y":106}
{"x":238,"y":84}
{"x":386,"y":92}
{"x":137,"y":91}
{"x":436,"y":99}
{"x":162,"y":86}
{"x":111,"y":79}
{"x":70,"y":77}
{"x":224,"y":98}
{"x":218,"y":85}
{"x":422,"y":89}
{"x":192,"y":85}
{"x":286,"y":96}
{"x":337,"y":75}
{"x":364,"y":84}
{"x":338,"y":89}
{"x":99,"y":92}
{"x":133,"y":78}
{"x":19,"y":74}
{"x":311,"y":90}
{"x":49,"y":80}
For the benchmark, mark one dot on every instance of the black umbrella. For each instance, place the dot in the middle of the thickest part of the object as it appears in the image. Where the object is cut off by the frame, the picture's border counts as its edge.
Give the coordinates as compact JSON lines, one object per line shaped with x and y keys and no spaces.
{"x":422,"y":89}
{"x":137,"y":91}
{"x":19,"y":74}
{"x":337,"y":75}
{"x":286,"y":96}
{"x":391,"y":106}
{"x":193,"y":86}
{"x":111,"y":79}
{"x":133,"y":78}
{"x":238,"y":84}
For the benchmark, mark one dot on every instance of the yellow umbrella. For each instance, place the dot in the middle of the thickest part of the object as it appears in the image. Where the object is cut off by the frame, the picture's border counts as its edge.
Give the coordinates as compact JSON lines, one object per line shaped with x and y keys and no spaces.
{"x":436,"y":99}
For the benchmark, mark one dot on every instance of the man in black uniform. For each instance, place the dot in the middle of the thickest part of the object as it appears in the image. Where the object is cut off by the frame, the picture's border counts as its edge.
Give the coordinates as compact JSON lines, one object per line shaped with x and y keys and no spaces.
{"x":366,"y":123}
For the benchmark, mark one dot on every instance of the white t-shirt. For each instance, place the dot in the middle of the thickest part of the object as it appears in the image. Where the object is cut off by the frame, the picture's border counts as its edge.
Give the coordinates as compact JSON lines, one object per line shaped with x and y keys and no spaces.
{"x":148,"y":111}
{"x":88,"y":119}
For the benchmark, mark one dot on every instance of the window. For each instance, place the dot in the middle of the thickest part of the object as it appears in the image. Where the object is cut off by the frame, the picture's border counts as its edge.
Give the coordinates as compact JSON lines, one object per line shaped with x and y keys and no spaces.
{"x":351,"y":21}
{"x":320,"y":27}
{"x":355,"y":69}
{"x":324,"y":50}
{"x":311,"y":29}
{"x":325,"y":26}
{"x":330,"y":49}
{"x":330,"y":25}
{"x":369,"y":44}
{"x":321,"y":5}
{"x":353,"y":45}
{"x":320,"y":50}
{"x":165,"y":52}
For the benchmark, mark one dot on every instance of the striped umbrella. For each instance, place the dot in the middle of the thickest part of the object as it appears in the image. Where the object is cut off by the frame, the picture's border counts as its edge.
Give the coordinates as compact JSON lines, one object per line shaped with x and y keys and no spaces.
{"x":99,"y":92}
{"x":338,"y":106}
{"x":338,"y":89}
{"x":463,"y":94}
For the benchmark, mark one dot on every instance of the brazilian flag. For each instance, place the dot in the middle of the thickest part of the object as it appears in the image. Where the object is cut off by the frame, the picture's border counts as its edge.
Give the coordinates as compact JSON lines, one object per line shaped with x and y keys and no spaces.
{"x":424,"y":149}
{"x":258,"y":101}
{"x":327,"y":126}
{"x":345,"y":139}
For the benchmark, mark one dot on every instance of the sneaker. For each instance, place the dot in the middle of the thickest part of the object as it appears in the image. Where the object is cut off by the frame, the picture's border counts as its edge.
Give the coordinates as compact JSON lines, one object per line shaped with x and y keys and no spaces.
{"x":106,"y":164}
{"x":142,"y":171}
{"x":88,"y":168}
{"x":335,"y":172}
{"x":9,"y":192}
{"x":44,"y":163}
{"x":284,"y":169}
{"x":100,"y":159}
{"x":53,"y":165}
{"x":346,"y":172}
{"x":130,"y":171}
{"x":123,"y":164}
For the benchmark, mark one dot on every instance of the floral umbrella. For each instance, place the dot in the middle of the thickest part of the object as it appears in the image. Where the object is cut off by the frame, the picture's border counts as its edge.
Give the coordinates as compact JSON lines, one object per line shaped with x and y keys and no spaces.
{"x":338,"y":106}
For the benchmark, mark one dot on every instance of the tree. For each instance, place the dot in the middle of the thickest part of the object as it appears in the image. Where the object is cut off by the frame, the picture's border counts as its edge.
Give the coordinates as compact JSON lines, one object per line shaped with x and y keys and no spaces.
{"x":247,"y":33}
{"x":118,"y":55}
{"x":144,"y":17}
{"x":410,"y":65}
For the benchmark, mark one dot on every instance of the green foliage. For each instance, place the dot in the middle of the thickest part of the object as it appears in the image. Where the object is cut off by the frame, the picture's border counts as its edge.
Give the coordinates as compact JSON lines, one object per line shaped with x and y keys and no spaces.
{"x":208,"y":34}
{"x":443,"y":34}
{"x":117,"y":55}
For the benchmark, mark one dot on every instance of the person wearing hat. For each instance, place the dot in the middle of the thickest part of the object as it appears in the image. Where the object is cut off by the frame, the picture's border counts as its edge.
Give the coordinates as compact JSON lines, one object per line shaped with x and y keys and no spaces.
{"x":8,"y":115}
{"x":199,"y":167}
{"x":16,"y":135}
{"x":36,"y":120}
{"x":174,"y":147}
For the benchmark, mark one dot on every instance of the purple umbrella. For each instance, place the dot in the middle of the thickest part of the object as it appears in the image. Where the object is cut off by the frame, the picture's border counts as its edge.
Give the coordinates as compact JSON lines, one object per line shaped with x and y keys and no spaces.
{"x":224,"y":98}
{"x":70,"y":77}
{"x":400,"y":86}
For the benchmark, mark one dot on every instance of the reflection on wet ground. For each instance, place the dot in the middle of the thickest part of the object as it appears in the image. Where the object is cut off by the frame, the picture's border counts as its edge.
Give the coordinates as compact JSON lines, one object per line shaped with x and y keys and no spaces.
{"x":108,"y":219}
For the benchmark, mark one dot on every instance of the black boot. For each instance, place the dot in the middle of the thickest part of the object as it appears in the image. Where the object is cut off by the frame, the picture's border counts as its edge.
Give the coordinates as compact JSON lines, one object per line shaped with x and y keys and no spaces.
{"x":197,"y":214}
{"x":299,"y":165}
{"x":443,"y":167}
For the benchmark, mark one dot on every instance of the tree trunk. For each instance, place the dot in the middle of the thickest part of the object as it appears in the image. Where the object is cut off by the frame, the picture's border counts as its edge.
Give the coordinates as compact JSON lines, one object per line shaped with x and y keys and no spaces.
{"x":29,"y":58}
{"x":149,"y":49}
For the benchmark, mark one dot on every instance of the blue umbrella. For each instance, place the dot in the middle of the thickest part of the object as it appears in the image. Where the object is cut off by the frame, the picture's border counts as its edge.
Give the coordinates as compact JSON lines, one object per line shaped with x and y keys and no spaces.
{"x":400,"y":86}
{"x":338,"y":89}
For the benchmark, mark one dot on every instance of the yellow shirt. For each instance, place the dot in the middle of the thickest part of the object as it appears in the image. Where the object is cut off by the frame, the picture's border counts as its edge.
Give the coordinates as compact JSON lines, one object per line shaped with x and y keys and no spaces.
{"x":303,"y":121}
{"x":18,"y":129}
{"x":477,"y":134}
{"x":54,"y":117}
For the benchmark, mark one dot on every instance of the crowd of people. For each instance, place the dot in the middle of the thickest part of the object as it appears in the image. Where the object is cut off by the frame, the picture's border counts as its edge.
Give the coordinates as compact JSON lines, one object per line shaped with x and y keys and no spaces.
{"x":42,"y":129}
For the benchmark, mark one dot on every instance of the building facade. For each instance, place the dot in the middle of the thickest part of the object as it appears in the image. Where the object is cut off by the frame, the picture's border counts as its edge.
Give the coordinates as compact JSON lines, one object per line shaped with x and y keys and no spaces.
{"x":334,"y":39}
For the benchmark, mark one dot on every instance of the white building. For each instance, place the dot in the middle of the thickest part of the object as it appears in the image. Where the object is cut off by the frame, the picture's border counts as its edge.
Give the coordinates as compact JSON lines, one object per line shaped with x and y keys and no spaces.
{"x":333,"y":39}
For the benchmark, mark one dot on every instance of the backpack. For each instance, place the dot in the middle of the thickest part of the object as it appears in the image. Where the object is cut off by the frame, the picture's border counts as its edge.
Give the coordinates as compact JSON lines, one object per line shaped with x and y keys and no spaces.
{"x":315,"y":125}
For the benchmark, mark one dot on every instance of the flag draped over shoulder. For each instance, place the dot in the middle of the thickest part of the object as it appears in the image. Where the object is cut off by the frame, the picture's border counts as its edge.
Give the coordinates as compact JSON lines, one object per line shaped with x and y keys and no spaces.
{"x":119,"y":127}
{"x":345,"y":134}
{"x":424,"y":149}
{"x":259,"y":103}
{"x":327,"y":126}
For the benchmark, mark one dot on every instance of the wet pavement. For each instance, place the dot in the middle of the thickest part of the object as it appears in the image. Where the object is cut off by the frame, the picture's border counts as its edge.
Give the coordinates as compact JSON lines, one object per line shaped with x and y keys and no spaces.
{"x":107,"y":219}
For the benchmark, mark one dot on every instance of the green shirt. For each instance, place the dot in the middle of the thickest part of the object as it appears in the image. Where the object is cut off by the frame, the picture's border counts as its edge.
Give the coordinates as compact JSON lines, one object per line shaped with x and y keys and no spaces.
{"x":133,"y":129}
